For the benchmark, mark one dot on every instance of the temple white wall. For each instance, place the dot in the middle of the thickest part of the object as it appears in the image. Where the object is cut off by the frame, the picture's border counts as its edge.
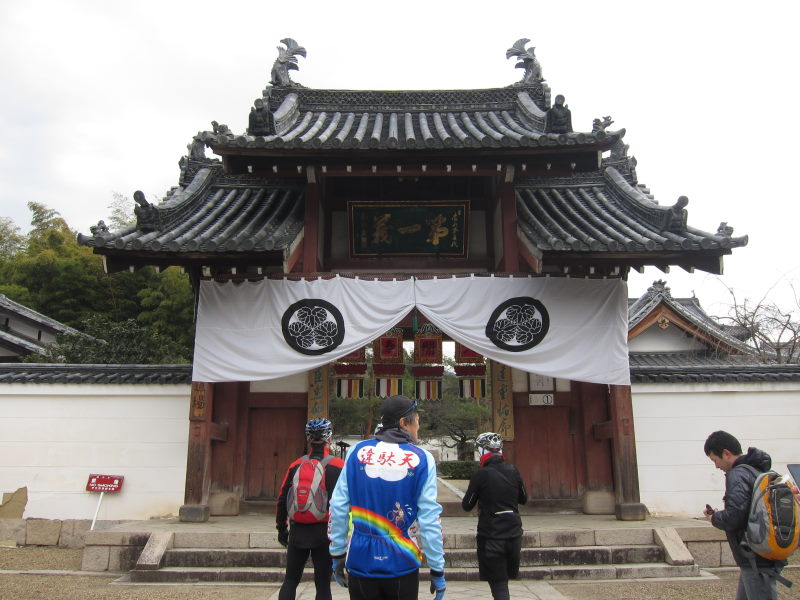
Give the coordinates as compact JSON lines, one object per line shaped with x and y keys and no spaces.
{"x":672,"y":422}
{"x":671,"y":339}
{"x":52,"y":436}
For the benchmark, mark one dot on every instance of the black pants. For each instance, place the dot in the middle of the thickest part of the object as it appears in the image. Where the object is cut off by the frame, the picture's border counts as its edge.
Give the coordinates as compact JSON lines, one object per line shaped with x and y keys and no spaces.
{"x":295,"y":563}
{"x":405,"y":587}
{"x":498,"y":559}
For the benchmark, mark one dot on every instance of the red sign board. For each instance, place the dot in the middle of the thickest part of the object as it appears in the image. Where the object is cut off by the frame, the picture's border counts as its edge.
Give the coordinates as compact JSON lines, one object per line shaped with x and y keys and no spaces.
{"x":104,"y":483}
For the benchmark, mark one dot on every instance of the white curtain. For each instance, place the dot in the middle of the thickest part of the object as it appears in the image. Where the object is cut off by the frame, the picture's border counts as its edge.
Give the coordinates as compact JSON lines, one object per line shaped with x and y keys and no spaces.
{"x":585,"y":338}
{"x":240,"y":325}
{"x":570,"y":328}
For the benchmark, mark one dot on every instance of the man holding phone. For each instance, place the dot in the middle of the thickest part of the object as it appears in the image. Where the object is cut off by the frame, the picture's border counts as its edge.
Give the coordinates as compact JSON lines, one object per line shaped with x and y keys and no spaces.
{"x":725,"y":451}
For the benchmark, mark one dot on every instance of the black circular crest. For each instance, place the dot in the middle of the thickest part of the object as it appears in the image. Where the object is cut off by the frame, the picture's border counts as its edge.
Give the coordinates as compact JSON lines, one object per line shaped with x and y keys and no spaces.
{"x":313,"y":326}
{"x":518,"y":324}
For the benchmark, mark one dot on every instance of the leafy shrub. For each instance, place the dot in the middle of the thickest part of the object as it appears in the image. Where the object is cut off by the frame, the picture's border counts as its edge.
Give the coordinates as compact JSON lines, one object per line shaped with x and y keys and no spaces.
{"x":457,"y":469}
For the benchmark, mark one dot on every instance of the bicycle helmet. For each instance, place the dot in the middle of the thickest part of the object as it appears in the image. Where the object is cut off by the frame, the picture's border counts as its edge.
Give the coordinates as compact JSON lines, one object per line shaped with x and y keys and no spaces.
{"x":319,"y":430}
{"x":491,"y":442}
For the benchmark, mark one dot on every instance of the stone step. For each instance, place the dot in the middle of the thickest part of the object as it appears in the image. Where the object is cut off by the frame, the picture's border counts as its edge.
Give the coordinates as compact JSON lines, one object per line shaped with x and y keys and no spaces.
{"x":276,"y":574}
{"x":585,"y":555}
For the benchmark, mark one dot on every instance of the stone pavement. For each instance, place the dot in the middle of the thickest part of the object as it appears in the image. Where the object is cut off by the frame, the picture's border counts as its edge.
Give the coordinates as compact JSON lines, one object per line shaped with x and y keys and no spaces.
{"x":457,"y":590}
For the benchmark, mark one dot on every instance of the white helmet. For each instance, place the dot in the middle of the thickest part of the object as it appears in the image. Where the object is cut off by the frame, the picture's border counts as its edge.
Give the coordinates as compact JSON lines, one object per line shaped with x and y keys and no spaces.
{"x":490,"y":441}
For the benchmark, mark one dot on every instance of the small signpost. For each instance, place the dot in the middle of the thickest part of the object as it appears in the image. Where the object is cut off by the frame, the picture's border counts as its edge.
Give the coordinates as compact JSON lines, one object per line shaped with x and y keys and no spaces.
{"x":103,"y":484}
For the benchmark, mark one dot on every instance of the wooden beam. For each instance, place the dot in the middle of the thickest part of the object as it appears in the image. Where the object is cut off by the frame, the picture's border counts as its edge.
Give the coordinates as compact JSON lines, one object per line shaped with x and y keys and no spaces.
{"x":198,"y":456}
{"x":623,"y":455}
{"x":311,"y":219}
{"x":508,"y":215}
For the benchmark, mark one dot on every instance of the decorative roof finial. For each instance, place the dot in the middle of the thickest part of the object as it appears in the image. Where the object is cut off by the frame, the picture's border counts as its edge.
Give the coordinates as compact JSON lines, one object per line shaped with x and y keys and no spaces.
{"x":286,"y":61}
{"x":527,"y":61}
{"x":725,"y":230}
{"x":558,"y":118}
{"x":601,"y":125}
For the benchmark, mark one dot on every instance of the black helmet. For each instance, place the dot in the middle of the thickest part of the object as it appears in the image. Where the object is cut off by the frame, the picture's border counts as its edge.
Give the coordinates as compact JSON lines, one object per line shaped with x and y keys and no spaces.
{"x":319,"y":430}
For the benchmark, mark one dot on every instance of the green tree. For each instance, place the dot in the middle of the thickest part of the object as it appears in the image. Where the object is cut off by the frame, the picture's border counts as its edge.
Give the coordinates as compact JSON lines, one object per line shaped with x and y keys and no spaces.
{"x":108,"y":342}
{"x":121,"y":215}
{"x":12,"y":242}
{"x":167,"y":305}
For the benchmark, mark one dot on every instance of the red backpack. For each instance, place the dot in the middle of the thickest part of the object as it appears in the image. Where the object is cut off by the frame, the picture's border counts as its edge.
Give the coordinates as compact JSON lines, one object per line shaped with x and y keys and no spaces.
{"x":308,"y":498}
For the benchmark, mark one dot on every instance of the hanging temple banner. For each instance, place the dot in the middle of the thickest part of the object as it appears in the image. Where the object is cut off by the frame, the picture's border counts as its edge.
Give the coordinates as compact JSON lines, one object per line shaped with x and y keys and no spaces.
{"x":569,"y":328}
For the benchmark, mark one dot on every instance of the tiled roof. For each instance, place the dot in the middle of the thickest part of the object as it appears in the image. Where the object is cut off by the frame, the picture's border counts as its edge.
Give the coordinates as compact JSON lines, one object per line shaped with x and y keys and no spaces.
{"x":6,"y":304}
{"x":312,"y":119}
{"x":20,"y":344}
{"x":604,"y":211}
{"x":689,"y":309}
{"x":699,"y":368}
{"x":216,"y":214}
{"x":117,"y":374}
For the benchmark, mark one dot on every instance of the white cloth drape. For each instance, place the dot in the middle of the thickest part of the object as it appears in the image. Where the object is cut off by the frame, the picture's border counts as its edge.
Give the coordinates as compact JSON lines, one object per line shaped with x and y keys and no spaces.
{"x":588,"y":323}
{"x":239,"y":331}
{"x":570,"y":328}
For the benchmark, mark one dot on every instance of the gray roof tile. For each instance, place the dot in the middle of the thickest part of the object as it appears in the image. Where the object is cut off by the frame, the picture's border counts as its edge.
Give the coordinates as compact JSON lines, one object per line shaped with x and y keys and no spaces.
{"x":217,"y":214}
{"x":604,"y":212}
{"x":99,"y":374}
{"x":381,"y":120}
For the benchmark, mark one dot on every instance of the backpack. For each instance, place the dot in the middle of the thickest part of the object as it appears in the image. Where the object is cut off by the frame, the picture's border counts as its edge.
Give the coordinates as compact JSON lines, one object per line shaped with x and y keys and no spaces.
{"x":308,"y":498}
{"x":772,"y":522}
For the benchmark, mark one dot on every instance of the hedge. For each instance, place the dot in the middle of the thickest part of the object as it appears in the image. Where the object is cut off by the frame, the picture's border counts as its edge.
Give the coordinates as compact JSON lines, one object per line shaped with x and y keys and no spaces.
{"x":457,"y":469}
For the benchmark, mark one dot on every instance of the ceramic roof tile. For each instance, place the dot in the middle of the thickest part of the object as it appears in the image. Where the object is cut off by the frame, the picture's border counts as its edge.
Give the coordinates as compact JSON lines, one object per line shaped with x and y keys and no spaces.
{"x":217,"y":215}
{"x":95,"y":374}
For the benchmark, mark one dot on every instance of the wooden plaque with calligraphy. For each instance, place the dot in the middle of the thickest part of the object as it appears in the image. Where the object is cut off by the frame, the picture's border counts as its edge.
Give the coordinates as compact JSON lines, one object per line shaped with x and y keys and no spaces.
{"x":356,"y":356}
{"x":408,"y":229}
{"x":319,"y":392}
{"x":427,"y":348}
{"x":388,"y":348}
{"x":467,"y":355}
{"x":502,"y":401}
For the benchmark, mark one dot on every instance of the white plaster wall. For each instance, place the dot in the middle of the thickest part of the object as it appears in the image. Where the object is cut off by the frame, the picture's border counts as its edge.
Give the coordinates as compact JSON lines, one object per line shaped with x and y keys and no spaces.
{"x":672,"y":422}
{"x":53,"y":436}
{"x":292,"y":383}
{"x":671,"y":339}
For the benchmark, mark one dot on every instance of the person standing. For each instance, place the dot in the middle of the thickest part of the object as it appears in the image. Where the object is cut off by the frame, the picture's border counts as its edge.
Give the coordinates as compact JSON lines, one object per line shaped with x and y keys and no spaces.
{"x":497,"y":488}
{"x":757,"y":575}
{"x":302,"y":511}
{"x":388,"y":488}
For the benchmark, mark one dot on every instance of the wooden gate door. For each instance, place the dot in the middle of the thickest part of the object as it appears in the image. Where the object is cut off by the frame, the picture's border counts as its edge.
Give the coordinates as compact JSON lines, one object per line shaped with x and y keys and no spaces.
{"x":274,"y":439}
{"x":544,"y":451}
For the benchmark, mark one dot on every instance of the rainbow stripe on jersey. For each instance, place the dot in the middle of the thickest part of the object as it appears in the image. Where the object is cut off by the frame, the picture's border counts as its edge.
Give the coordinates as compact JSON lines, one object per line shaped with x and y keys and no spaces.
{"x":374,"y":524}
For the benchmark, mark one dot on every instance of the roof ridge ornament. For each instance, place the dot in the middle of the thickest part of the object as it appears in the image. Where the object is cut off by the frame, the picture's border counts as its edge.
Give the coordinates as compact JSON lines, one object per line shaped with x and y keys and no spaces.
{"x":286,"y":61}
{"x":148,"y":217}
{"x":527,"y":61}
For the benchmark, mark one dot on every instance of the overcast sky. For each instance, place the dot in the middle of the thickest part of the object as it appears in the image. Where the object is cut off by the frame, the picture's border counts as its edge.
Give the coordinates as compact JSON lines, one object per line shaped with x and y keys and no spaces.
{"x":103,"y":96}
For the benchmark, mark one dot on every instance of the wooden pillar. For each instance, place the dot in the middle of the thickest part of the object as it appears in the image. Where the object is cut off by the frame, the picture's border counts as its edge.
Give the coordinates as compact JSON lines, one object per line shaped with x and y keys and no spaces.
{"x":319,"y":392}
{"x":508,"y":210}
{"x":198,"y":459}
{"x":311,"y":222}
{"x":502,"y":401}
{"x":623,"y":448}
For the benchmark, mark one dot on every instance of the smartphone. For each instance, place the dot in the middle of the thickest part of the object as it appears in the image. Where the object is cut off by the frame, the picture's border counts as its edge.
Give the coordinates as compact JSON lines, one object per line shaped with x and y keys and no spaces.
{"x":709,"y":510}
{"x":794,"y":471}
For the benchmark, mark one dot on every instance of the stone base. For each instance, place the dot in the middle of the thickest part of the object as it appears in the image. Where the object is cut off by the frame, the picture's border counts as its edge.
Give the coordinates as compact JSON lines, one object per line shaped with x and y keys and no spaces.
{"x":194,"y":513}
{"x":598,"y":502}
{"x":631,"y":511}
{"x":224,"y":504}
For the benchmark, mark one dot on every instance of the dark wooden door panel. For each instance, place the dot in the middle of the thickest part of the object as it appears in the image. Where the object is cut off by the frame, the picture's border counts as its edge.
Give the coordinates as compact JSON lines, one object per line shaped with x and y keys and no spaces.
{"x":274,"y":439}
{"x":545,"y":452}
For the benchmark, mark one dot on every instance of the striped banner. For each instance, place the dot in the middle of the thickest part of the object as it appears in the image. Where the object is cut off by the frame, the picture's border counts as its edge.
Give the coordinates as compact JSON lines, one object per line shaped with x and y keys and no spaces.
{"x":428,"y":389}
{"x":349,"y":388}
{"x":472,"y":388}
{"x":388,"y":386}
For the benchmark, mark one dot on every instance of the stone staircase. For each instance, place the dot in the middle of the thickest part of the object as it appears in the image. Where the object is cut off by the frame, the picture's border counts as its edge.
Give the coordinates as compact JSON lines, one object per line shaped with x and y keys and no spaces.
{"x":547,"y":555}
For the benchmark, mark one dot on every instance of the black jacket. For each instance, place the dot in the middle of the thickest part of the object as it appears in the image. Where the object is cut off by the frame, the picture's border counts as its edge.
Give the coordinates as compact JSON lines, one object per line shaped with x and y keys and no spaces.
{"x":307,"y":535}
{"x":497,"y":488}
{"x":738,"y":493}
